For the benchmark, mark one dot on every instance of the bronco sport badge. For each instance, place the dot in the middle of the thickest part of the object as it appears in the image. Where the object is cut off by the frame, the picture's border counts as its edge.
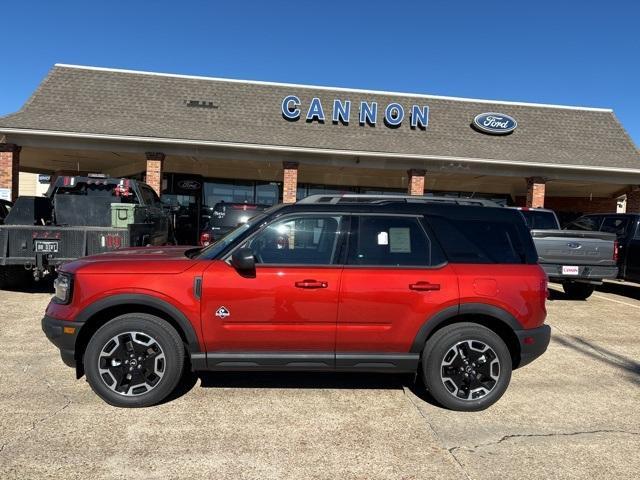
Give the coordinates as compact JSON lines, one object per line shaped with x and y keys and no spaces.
{"x":222,"y":312}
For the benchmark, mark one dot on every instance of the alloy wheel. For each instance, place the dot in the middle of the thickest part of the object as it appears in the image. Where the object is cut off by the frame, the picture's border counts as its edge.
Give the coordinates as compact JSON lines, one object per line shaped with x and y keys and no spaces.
{"x":470,"y":370}
{"x":131,"y":363}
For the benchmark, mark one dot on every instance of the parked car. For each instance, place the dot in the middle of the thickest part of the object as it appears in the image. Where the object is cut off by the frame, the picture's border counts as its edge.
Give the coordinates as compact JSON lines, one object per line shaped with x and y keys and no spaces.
{"x":626,"y":228}
{"x":5,"y":207}
{"x":444,"y":287}
{"x":224,"y":217}
{"x":577,"y":259}
{"x":78,"y":216}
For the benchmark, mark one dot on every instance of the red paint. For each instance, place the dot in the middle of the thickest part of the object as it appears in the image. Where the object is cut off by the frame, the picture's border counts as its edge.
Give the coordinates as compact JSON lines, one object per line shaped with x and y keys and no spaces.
{"x":379,"y":312}
{"x":304,"y":308}
{"x":269,"y":312}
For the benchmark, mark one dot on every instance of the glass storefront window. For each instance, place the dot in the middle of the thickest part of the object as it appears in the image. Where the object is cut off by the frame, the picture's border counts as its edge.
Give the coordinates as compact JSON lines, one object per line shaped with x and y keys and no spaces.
{"x":230,"y":192}
{"x":267,"y":193}
{"x":304,"y":190}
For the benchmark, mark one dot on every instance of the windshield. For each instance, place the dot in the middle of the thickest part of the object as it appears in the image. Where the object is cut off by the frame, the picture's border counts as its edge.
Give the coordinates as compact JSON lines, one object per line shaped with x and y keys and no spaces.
{"x":213,"y":250}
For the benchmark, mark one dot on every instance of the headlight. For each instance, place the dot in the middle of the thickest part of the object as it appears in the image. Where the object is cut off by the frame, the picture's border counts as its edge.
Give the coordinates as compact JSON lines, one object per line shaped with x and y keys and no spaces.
{"x":62,"y":286}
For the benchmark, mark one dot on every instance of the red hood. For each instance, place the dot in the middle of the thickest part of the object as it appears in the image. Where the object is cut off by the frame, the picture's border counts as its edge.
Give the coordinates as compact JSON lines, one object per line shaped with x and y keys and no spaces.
{"x":161,"y":260}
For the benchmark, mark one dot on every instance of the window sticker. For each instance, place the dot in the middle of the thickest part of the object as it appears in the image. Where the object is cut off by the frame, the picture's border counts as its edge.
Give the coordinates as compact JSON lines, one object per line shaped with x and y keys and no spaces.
{"x":383,"y":238}
{"x":400,"y":240}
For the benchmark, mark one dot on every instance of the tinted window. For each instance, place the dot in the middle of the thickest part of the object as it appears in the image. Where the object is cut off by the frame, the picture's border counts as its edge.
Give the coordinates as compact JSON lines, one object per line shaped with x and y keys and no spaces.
{"x":637,"y":235}
{"x":386,"y":240}
{"x":234,"y":214}
{"x":540,"y":220}
{"x":617,"y":225}
{"x":475,"y":241}
{"x":304,"y":240}
{"x":585,"y":223}
{"x":148,"y":195}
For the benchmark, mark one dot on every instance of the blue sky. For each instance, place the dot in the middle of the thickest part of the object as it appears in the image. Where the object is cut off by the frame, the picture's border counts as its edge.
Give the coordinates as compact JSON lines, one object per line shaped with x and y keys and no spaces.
{"x":567,"y":52}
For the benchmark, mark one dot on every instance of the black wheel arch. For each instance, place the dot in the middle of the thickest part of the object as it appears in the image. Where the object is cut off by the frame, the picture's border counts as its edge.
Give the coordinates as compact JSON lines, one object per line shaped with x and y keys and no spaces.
{"x":100,"y":312}
{"x":495,"y":318}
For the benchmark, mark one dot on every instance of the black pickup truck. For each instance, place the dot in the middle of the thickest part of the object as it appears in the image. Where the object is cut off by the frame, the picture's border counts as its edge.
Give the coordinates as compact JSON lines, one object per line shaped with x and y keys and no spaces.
{"x":626,"y":227}
{"x":78,"y":216}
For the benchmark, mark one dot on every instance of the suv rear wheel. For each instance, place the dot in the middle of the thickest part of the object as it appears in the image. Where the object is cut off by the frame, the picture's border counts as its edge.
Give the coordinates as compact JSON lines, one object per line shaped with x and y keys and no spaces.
{"x":466,"y":367}
{"x":134,"y":360}
{"x":578,"y":291}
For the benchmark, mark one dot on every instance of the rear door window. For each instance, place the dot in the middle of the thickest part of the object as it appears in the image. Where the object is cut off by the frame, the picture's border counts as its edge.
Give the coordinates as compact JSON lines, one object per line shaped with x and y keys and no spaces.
{"x":590,"y":223}
{"x":390,"y":241}
{"x":617,"y":225}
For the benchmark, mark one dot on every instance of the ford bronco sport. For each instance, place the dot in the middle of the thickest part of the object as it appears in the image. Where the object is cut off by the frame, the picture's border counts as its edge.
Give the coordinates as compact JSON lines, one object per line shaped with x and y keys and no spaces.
{"x":449,"y":288}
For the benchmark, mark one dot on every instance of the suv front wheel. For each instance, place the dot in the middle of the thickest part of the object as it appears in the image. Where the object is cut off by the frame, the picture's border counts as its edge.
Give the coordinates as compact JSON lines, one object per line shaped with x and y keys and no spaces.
{"x":466,"y":367}
{"x":134,"y":360}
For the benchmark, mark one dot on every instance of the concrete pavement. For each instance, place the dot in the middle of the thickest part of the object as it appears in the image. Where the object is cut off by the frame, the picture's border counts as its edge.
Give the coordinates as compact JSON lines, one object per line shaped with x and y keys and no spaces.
{"x":571,"y":414}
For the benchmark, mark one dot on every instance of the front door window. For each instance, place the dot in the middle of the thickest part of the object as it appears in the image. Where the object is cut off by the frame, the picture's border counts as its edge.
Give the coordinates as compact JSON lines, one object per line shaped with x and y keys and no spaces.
{"x":303,"y":240}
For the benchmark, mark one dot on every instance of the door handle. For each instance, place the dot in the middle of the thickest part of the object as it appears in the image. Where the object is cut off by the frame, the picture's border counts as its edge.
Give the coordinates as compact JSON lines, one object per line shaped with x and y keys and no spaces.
{"x":424,"y":286}
{"x":311,"y":284}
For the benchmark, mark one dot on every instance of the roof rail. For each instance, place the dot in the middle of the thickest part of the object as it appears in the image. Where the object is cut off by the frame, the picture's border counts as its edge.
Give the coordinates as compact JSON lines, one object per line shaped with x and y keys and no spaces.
{"x":332,"y":199}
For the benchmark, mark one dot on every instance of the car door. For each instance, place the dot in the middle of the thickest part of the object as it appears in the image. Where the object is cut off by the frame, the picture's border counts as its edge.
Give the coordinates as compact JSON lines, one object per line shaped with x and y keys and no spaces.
{"x":394,"y":279}
{"x":632,"y":256}
{"x":286,"y":314}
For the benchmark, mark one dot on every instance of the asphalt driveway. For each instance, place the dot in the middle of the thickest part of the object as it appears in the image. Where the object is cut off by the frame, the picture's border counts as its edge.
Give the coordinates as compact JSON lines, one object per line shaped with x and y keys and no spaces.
{"x":574,"y":413}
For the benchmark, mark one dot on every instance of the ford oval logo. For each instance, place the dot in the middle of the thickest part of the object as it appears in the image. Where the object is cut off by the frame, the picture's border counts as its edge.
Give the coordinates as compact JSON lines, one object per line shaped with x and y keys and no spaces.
{"x":495,"y":123}
{"x":189,"y":185}
{"x":574,"y":245}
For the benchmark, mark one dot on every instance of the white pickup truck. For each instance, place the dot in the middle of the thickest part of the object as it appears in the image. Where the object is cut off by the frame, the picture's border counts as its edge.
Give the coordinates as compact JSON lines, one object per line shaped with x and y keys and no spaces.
{"x":577,"y":259}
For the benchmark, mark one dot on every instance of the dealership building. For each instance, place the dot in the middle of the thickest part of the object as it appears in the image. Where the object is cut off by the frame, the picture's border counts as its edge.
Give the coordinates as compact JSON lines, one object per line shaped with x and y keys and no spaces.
{"x":200,"y":140}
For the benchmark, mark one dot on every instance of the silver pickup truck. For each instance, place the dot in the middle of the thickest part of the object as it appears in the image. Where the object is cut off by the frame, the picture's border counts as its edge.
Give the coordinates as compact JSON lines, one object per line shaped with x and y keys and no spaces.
{"x":579,"y":260}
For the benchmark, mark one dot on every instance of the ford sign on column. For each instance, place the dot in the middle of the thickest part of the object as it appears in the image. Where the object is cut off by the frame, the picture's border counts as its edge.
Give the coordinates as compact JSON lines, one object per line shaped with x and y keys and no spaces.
{"x":495,"y":123}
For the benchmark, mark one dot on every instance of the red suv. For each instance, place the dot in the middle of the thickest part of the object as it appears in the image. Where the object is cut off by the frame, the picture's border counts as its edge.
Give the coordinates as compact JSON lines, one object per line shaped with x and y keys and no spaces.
{"x":342,"y":283}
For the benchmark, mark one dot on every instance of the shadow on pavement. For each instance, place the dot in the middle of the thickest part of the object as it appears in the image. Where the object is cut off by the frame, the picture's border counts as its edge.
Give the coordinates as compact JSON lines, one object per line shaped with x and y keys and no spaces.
{"x":629,"y":290}
{"x":42,"y":286}
{"x":560,"y":295}
{"x":602,"y":355}
{"x":303,"y":380}
{"x":295,"y":380}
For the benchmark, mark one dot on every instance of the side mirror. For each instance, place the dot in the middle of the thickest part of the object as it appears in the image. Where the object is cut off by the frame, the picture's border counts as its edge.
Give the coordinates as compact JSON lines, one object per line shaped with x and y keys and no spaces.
{"x":244,"y":262}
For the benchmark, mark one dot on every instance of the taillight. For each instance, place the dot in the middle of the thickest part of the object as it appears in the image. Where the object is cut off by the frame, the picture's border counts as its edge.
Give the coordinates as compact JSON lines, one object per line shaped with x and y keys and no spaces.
{"x":616,"y":250}
{"x":544,"y":292}
{"x":205,"y":239}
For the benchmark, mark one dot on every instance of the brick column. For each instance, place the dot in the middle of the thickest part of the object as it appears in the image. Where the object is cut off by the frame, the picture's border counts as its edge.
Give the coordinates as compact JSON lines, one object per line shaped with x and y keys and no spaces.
{"x":416,"y":182}
{"x":154,"y":170}
{"x":9,"y":168}
{"x":535,"y":192}
{"x":290,"y":182}
{"x":633,"y":200}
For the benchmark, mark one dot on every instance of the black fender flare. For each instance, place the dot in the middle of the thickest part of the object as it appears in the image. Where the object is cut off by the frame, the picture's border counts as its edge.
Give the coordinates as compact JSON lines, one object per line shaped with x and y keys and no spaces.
{"x":433,"y":322}
{"x":144,"y":301}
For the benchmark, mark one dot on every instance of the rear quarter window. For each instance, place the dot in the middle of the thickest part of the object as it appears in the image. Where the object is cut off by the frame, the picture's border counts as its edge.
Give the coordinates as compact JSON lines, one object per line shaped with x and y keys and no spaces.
{"x":480,"y":241}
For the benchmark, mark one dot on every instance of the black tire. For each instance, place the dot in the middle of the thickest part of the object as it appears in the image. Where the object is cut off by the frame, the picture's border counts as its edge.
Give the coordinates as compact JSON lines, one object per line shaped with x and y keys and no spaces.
{"x":161,"y":360}
{"x":578,"y":291}
{"x":457,"y":392}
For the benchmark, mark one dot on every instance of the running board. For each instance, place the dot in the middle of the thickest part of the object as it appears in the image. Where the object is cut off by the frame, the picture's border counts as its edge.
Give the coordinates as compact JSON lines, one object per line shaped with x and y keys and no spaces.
{"x":305,"y":361}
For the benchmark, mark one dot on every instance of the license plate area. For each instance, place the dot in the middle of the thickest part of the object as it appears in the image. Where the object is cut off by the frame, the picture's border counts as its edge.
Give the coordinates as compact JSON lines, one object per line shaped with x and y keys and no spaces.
{"x":570,"y":270}
{"x":46,"y":246}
